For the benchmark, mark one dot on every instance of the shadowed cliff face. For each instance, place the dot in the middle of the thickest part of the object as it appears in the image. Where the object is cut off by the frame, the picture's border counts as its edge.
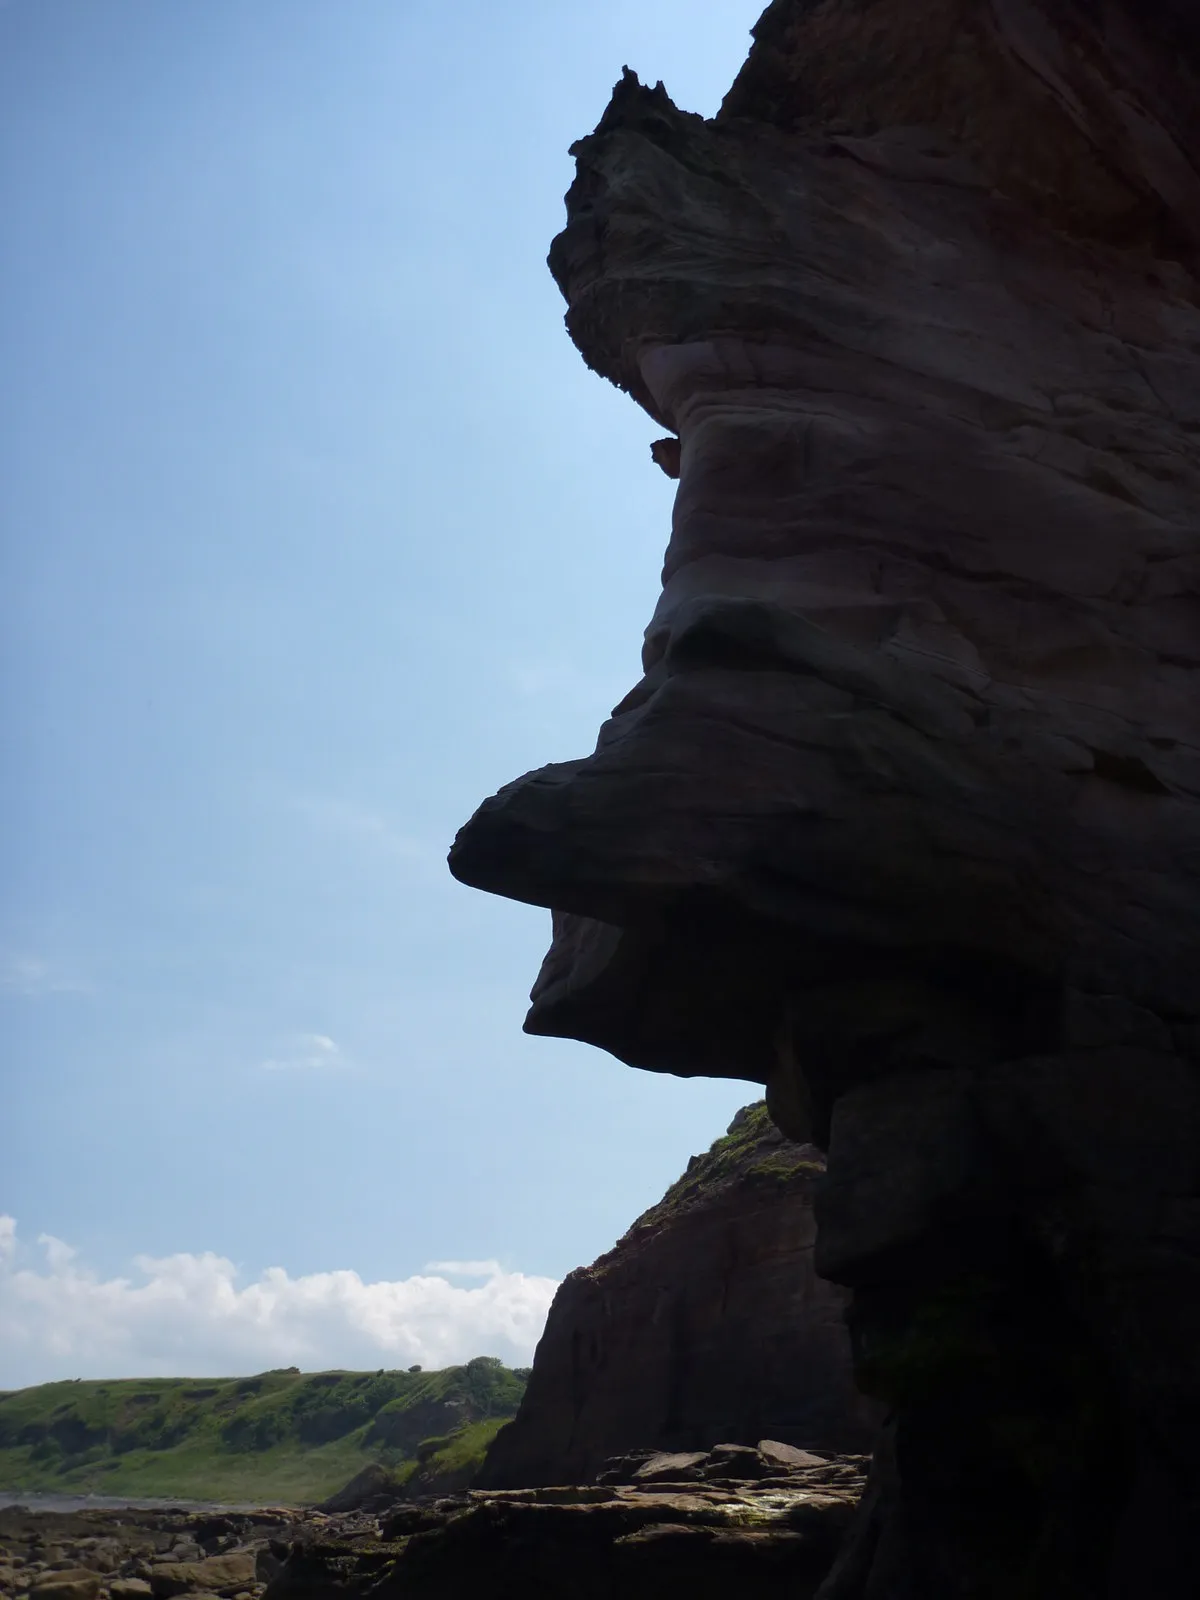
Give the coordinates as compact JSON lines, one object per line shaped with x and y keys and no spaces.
{"x":704,"y":1325}
{"x":903,"y":819}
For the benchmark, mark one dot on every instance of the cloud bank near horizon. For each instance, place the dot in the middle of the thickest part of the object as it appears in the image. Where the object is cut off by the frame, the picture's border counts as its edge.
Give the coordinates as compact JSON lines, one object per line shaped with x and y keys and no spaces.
{"x":186,"y":1315}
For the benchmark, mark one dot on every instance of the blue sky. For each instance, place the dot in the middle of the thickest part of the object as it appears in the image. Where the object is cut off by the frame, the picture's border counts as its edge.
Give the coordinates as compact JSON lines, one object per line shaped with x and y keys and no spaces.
{"x":316,"y":530}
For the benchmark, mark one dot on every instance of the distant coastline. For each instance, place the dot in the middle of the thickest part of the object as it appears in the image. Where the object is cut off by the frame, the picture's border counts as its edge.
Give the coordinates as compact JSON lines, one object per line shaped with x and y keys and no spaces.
{"x":68,"y":1504}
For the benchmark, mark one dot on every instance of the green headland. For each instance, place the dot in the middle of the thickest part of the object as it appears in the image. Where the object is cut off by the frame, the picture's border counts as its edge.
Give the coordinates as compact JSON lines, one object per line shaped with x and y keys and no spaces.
{"x":283,"y":1437}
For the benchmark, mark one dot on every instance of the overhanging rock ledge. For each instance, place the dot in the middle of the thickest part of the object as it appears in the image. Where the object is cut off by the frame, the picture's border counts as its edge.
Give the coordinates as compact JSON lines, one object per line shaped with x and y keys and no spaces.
{"x":903,"y":818}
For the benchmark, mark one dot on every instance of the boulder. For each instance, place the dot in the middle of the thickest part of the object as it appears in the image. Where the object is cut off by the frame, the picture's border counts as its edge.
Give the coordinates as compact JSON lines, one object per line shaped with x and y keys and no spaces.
{"x":104,"y":1555}
{"x":76,"y":1583}
{"x":267,"y":1561}
{"x":737,"y":1461}
{"x":220,"y":1575}
{"x":668,"y":1466}
{"x":621,"y":1469}
{"x":786,"y":1457}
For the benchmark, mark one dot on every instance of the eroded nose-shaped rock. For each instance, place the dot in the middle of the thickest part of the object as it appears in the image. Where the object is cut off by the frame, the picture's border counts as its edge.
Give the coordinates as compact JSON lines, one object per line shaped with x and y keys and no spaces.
{"x":903,"y":819}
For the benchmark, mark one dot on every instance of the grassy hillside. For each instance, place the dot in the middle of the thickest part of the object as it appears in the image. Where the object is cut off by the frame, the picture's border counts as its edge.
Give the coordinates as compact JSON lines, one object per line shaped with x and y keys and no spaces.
{"x":752,"y":1151}
{"x":283,"y":1436}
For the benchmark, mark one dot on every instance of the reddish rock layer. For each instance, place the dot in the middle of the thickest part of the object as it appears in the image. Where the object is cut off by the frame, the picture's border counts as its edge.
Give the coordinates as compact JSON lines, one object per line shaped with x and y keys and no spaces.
{"x":903,"y":818}
{"x":706,"y":1324}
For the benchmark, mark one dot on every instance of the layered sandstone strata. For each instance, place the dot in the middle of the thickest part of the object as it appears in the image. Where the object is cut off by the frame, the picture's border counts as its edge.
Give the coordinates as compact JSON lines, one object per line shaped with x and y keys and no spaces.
{"x":705,"y":1324}
{"x":903,"y":819}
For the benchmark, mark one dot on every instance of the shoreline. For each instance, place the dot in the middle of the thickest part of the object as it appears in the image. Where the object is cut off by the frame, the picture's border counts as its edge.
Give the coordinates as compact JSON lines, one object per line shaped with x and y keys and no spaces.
{"x":42,"y":1500}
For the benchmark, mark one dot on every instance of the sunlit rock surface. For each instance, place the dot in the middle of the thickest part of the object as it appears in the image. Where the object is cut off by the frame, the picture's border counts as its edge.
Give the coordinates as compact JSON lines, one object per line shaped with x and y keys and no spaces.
{"x":902,"y":819}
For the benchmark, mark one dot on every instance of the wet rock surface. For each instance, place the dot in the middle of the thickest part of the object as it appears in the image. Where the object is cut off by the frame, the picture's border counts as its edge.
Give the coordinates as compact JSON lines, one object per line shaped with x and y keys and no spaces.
{"x":903,"y":818}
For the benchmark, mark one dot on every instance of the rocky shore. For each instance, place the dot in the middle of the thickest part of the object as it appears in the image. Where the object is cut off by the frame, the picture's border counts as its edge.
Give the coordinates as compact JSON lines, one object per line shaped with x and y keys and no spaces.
{"x":768,"y":1518}
{"x":664,"y":1438}
{"x":138,"y":1554}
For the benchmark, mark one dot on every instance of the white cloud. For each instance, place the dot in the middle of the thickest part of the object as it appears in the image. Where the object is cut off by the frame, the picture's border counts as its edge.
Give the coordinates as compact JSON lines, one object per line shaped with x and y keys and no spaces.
{"x":30,"y":976}
{"x":188,"y":1315}
{"x":308,"y":1052}
{"x":464,"y":1269}
{"x":58,"y":1255}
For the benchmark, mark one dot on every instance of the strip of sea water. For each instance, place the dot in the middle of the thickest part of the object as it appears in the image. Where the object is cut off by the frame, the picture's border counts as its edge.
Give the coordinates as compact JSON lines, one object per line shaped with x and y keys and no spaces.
{"x":72,"y":1503}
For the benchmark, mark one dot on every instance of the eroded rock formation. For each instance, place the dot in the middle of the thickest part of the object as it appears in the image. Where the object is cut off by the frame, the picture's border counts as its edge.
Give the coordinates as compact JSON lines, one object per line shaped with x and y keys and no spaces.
{"x":902,"y":819}
{"x":705,"y":1324}
{"x":704,"y":1536}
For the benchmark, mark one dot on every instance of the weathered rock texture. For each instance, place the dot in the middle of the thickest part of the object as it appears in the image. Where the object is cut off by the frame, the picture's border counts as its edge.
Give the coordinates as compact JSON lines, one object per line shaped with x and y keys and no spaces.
{"x":705,"y":1324}
{"x":710,"y":1531}
{"x":903,"y":818}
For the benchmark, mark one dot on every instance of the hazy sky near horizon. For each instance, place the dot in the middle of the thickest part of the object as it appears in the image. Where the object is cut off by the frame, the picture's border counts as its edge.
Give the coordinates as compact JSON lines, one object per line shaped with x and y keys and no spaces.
{"x":316,"y":530}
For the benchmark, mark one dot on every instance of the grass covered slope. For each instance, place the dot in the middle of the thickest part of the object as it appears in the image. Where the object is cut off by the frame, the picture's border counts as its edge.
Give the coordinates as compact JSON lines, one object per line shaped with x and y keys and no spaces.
{"x":750,"y":1152}
{"x":282,"y":1436}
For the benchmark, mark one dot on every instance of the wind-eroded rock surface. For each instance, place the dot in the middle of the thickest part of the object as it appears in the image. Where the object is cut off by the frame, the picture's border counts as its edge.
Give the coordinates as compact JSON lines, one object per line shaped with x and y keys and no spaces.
{"x":705,"y":1324}
{"x":903,"y":818}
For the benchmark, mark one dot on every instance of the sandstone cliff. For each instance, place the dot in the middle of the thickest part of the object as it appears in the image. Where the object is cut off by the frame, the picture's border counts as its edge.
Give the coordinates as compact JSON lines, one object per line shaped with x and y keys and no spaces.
{"x":706,"y":1324}
{"x":903,"y":818}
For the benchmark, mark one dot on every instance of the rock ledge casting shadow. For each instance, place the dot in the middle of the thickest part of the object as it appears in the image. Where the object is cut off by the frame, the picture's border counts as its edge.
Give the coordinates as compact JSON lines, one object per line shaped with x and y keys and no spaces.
{"x":902,"y":819}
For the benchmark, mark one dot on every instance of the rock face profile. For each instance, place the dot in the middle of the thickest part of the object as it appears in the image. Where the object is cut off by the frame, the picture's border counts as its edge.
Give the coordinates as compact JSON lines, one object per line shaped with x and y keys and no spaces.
{"x":705,"y":1325}
{"x":903,"y":818}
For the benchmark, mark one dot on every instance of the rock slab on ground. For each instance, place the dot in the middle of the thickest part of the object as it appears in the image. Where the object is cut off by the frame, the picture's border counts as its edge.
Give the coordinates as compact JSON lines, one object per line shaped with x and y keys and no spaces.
{"x":634,"y":1540}
{"x":221,"y":1575}
{"x":71,"y":1585}
{"x":623,"y":1541}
